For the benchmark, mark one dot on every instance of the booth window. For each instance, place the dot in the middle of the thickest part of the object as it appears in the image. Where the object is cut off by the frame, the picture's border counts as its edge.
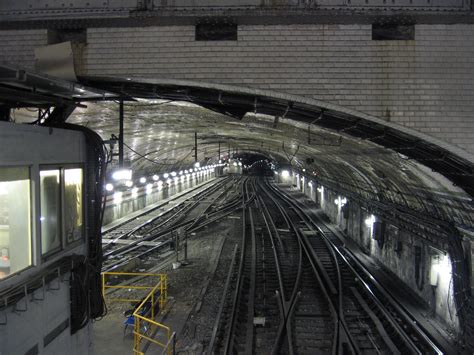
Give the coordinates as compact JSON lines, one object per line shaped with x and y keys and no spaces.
{"x":73,"y":208}
{"x":15,"y":220}
{"x":50,"y":207}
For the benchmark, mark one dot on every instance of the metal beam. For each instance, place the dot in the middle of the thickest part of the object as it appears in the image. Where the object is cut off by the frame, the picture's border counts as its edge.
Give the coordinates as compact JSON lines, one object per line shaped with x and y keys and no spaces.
{"x":59,"y":115}
{"x":195,"y":147}
{"x":121,"y":137}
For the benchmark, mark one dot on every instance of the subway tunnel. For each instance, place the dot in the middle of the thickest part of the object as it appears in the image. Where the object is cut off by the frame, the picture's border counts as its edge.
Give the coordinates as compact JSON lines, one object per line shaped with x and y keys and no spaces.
{"x":417,"y":192}
{"x":308,"y":207}
{"x":405,"y":199}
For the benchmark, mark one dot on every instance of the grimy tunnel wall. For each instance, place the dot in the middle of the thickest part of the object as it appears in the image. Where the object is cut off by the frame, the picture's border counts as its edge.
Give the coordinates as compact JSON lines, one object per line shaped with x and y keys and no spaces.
{"x":425,"y":83}
{"x":401,"y":252}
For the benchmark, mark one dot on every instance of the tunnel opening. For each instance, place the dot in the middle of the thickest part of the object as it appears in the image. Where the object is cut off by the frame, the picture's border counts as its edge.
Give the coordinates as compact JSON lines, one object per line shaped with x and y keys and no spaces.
{"x":359,"y":170}
{"x":255,"y":164}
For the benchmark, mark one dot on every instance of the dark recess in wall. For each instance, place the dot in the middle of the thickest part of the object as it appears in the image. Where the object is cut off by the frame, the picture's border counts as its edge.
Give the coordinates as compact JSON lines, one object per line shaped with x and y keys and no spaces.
{"x":216,"y":32}
{"x":393,"y":32}
{"x":77,"y":35}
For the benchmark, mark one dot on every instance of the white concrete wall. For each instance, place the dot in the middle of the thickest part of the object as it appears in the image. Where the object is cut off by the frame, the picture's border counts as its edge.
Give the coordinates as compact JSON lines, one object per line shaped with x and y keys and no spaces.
{"x":426,"y":84}
{"x":130,"y":202}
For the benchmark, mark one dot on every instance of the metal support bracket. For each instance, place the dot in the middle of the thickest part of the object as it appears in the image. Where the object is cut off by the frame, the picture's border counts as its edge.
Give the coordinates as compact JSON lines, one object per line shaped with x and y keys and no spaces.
{"x":43,"y":287}
{"x":15,"y":308}
{"x":49,"y":288}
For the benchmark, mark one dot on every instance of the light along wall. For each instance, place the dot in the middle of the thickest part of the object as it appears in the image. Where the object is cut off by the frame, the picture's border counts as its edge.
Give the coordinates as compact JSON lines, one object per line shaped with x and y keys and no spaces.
{"x":122,"y":179}
{"x":360,"y":226}
{"x":123,"y":199}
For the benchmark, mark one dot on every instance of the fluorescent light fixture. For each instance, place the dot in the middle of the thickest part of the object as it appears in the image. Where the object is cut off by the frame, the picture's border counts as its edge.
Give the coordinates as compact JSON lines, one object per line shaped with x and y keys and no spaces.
{"x":117,"y":197}
{"x":369,"y":221}
{"x":109,"y":187}
{"x":122,"y":174}
{"x":340,"y":201}
{"x":149,"y":188}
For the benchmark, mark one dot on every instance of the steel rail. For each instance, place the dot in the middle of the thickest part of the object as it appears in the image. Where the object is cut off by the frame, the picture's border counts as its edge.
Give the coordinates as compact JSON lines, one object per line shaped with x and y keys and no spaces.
{"x":228,"y":339}
{"x":176,"y":214}
{"x":161,"y":237}
{"x":342,"y":335}
{"x":150,"y":211}
{"x":222,"y":303}
{"x":401,"y":311}
{"x":319,"y":279}
{"x":285,"y":304}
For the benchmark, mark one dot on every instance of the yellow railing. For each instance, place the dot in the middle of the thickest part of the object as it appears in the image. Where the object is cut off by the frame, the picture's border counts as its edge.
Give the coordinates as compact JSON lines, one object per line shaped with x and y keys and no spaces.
{"x":148,"y":329}
{"x":162,"y":284}
{"x":145,"y":326}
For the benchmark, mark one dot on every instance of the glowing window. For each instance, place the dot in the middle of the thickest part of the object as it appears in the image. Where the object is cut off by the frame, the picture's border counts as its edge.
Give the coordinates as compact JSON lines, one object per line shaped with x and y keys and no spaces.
{"x":15,"y":220}
{"x":73,"y":204}
{"x":50,"y":207}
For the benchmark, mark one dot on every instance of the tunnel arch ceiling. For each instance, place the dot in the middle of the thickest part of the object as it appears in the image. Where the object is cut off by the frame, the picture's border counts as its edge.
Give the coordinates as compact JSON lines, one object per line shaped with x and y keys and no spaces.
{"x":354,"y":153}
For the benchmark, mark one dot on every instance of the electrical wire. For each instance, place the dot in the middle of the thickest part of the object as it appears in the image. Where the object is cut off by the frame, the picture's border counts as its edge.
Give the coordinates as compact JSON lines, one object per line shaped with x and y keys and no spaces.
{"x":146,"y":105}
{"x":154,"y":161}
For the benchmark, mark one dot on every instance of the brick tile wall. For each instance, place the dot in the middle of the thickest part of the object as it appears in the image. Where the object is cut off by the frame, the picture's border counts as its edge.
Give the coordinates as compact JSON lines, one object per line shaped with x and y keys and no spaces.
{"x":426,"y":84}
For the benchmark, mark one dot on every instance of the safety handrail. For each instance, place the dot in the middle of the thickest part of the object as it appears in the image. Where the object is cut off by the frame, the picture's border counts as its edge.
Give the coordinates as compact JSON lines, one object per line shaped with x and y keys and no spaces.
{"x":162,"y":283}
{"x":141,"y":317}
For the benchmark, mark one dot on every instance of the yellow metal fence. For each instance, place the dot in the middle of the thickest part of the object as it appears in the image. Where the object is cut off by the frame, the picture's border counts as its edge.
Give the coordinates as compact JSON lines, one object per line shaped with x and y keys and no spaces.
{"x":147,"y":332}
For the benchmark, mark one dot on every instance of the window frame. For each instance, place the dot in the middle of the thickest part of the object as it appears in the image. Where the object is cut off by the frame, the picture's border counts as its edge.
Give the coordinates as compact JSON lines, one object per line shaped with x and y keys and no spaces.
{"x":54,"y":251}
{"x":64,"y":244}
{"x":74,"y":243}
{"x":32,"y":215}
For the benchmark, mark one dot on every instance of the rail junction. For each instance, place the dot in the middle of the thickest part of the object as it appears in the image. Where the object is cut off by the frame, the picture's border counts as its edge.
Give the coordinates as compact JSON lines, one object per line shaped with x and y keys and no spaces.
{"x":291,"y":286}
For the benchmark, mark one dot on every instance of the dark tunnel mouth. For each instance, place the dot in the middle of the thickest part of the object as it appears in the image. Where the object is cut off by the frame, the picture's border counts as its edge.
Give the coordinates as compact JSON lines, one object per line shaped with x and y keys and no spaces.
{"x":451,"y":162}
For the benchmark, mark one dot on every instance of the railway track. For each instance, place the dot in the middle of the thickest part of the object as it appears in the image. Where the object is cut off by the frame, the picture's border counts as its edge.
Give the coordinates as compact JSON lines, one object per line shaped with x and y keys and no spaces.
{"x":295,"y":290}
{"x":310,"y":319}
{"x":291,"y":287}
{"x":156,"y":231}
{"x":373,"y":321}
{"x":234,"y":324}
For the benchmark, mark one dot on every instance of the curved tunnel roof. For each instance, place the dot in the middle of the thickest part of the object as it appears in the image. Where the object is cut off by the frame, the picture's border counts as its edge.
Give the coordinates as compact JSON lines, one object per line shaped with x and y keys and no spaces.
{"x":363,"y":157}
